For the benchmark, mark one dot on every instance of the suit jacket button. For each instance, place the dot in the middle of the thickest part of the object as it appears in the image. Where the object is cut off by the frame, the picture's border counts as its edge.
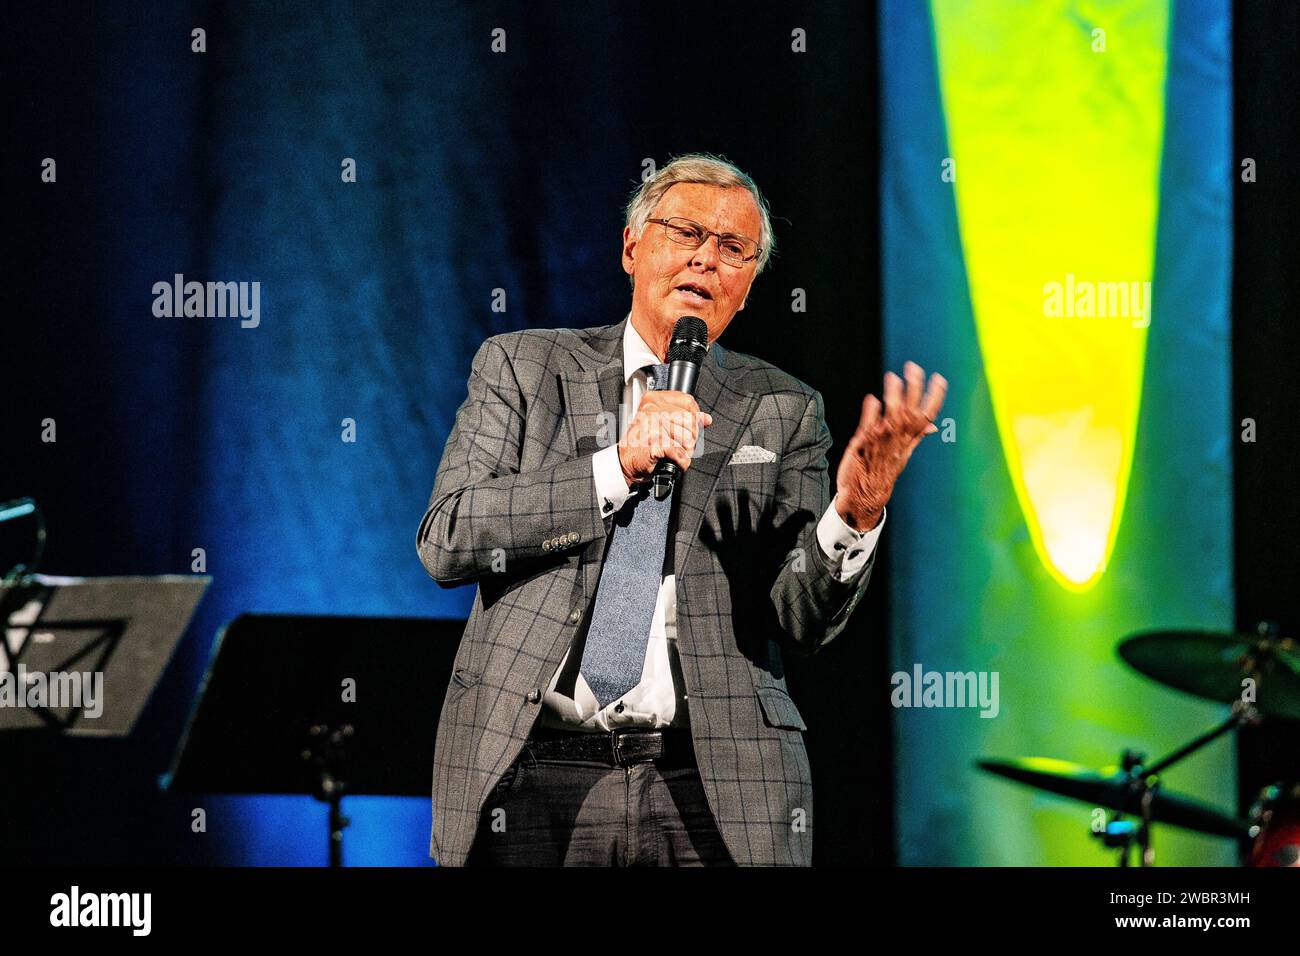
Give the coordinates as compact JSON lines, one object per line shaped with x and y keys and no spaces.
{"x":546,"y":545}
{"x":534,"y":696}
{"x":575,"y":615}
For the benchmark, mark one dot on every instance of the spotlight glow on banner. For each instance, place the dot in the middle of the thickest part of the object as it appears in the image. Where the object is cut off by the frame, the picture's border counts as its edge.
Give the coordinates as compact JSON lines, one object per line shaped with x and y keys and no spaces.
{"x":1056,"y":129}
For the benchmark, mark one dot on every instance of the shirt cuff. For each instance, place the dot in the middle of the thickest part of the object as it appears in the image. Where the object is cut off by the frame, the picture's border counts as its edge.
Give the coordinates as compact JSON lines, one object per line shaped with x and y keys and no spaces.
{"x":611,"y":486}
{"x":846,"y":548}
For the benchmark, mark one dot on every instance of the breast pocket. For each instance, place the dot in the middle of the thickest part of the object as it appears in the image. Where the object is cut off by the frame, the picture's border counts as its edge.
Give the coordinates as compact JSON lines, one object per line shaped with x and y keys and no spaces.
{"x":749,"y":490}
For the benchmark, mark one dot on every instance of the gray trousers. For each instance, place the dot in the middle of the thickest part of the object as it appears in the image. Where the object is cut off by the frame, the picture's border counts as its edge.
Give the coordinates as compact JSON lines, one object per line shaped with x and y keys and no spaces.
{"x":551,"y":812}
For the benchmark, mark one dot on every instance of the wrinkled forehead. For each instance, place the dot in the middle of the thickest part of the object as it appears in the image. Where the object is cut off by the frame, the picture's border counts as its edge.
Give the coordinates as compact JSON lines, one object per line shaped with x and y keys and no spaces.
{"x":721,"y":208}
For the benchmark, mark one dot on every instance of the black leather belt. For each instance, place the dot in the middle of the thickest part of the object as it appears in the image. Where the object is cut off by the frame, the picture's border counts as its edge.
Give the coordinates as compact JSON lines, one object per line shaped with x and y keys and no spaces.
{"x":617,"y":748}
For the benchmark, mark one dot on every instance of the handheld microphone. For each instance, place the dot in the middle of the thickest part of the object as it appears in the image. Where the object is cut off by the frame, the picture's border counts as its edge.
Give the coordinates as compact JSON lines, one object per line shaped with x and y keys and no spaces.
{"x":689,"y":345}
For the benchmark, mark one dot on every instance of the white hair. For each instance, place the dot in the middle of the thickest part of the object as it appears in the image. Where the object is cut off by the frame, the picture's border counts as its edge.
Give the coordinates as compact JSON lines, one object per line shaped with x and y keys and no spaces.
{"x":708,"y":170}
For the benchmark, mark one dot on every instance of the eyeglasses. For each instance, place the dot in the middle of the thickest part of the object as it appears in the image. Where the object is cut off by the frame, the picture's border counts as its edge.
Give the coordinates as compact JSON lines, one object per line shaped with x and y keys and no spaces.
{"x":734,"y":249}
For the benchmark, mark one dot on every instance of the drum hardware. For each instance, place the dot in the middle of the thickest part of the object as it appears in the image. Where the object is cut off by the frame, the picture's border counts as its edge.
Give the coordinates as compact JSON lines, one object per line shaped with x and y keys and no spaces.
{"x":1258,"y":676}
{"x":1275,"y":827}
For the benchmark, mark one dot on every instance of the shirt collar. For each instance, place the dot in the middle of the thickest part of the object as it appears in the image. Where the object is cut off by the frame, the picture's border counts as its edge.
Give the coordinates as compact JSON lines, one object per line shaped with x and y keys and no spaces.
{"x":636,"y":354}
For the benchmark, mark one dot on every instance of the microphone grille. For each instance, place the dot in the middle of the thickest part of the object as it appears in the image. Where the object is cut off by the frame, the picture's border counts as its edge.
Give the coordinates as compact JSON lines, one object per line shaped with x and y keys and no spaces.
{"x":690,"y":340}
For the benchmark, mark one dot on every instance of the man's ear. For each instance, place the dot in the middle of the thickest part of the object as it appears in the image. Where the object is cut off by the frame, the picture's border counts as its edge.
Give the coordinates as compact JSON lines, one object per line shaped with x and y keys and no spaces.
{"x":629,"y":244}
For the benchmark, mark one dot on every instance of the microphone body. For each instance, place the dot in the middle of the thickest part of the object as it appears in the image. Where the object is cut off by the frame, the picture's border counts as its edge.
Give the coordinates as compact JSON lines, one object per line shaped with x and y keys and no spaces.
{"x":689,"y":345}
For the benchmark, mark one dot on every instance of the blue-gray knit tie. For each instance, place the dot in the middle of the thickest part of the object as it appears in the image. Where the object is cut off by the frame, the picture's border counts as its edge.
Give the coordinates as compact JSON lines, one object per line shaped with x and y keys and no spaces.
{"x":614,"y":655}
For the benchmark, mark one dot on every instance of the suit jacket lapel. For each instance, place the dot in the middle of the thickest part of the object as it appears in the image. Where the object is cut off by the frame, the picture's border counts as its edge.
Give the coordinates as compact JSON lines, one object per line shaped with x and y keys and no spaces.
{"x":593,"y":389}
{"x":720,"y":392}
{"x":593,"y":392}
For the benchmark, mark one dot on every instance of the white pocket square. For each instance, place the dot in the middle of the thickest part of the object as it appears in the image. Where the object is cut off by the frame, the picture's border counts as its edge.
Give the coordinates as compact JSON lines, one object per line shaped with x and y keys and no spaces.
{"x":752,"y":455}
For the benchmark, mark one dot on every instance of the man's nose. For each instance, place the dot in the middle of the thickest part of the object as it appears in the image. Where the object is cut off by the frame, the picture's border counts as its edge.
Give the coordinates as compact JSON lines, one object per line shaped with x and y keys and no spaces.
{"x":707,"y":253}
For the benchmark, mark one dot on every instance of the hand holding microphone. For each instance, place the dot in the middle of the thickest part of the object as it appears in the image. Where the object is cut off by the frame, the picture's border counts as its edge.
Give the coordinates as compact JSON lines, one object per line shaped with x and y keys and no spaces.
{"x":665,"y":428}
{"x":662,"y":436}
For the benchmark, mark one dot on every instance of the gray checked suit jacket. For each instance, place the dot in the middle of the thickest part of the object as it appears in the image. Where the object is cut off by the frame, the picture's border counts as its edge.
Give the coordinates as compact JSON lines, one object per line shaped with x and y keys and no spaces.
{"x":514,"y":509}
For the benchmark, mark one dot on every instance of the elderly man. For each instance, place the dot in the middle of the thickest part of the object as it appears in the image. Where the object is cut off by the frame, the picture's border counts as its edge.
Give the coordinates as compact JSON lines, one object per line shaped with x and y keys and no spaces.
{"x":619,"y":694}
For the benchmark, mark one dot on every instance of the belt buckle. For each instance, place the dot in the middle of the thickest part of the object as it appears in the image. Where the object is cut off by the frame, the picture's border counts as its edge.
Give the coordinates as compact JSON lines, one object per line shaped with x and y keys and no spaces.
{"x":652,"y":742}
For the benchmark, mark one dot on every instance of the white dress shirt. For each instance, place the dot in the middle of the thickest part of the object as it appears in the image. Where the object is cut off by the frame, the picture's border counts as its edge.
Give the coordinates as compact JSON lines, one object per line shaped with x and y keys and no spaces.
{"x":659,"y":700}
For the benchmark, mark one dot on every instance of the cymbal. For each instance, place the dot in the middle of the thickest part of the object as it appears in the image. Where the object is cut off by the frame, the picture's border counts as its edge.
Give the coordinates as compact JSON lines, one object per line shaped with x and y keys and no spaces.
{"x":1212,"y":665}
{"x":1107,"y":787}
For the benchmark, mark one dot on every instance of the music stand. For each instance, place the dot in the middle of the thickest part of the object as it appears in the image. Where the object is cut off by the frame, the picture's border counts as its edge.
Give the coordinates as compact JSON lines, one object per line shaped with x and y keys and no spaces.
{"x":319,"y":705}
{"x":108,"y":640}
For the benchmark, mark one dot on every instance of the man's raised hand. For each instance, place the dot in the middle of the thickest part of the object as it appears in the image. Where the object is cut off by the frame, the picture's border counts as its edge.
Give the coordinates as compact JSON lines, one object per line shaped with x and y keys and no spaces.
{"x":883,"y":442}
